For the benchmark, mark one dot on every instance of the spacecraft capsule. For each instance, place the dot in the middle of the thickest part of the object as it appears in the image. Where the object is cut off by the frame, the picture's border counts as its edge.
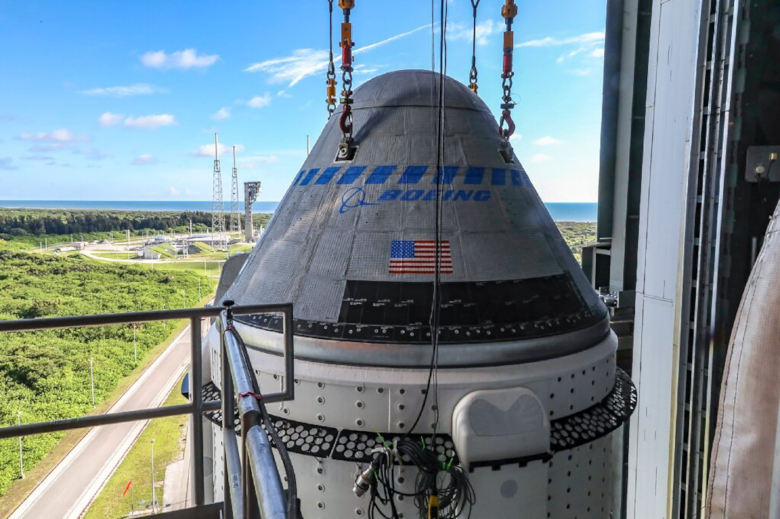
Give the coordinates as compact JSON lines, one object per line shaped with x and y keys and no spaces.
{"x":528,"y":394}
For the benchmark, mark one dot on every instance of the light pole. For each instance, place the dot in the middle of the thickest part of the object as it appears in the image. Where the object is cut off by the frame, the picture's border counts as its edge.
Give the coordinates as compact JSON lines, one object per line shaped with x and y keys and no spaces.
{"x":164,"y":325}
{"x":135,"y":347}
{"x":92,"y":377}
{"x":154,"y":499}
{"x":200,"y":294}
{"x":21,"y":458}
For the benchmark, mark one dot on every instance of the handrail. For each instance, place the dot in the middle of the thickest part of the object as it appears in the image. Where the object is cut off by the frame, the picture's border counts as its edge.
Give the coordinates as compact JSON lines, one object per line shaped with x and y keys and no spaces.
{"x":254,"y":487}
{"x":258,"y":477}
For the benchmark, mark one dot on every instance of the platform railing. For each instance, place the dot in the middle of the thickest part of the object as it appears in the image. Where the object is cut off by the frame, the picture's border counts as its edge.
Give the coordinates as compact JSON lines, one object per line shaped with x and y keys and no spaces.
{"x":257,"y":475}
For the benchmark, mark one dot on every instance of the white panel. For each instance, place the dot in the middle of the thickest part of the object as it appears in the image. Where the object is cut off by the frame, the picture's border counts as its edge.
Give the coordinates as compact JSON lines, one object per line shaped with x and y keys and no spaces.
{"x":670,"y":95}
{"x":648,"y":463}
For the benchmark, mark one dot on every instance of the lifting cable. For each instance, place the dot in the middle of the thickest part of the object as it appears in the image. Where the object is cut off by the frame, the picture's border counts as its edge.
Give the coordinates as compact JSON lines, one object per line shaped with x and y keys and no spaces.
{"x":346,"y":44}
{"x":473,"y":72}
{"x":330,"y":80}
{"x":508,"y":11}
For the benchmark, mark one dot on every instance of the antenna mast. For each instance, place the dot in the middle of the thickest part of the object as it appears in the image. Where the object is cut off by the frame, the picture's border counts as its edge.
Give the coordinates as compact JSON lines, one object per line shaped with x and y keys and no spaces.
{"x":235,"y":213}
{"x":217,"y":204}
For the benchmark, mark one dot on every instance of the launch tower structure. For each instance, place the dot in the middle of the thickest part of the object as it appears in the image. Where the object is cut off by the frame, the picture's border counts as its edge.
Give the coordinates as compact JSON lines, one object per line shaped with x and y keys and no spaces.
{"x":235,"y":212}
{"x":217,"y":205}
{"x":251,"y":190}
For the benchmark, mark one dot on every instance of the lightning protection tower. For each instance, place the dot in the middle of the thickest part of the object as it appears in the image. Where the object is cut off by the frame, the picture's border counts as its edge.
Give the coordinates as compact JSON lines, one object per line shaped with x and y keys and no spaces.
{"x":217,"y":204}
{"x":235,"y":212}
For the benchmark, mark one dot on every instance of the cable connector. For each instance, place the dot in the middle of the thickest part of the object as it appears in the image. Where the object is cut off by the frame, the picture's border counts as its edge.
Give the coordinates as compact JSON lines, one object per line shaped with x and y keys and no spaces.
{"x":433,"y":506}
{"x":366,"y":478}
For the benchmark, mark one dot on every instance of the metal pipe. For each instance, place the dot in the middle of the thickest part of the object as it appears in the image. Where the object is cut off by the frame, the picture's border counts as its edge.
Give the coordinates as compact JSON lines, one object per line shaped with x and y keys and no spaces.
{"x":196,"y":385}
{"x":234,"y":504}
{"x":267,"y":483}
{"x":241,"y":377}
{"x":103,"y":419}
{"x":50,"y":323}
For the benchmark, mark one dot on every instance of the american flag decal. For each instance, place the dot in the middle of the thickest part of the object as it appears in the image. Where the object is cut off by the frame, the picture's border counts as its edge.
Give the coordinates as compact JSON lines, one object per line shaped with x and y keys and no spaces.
{"x":419,"y":257}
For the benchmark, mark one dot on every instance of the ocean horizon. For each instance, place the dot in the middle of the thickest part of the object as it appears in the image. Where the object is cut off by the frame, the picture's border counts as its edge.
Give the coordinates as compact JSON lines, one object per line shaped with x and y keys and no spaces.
{"x":560,"y":211}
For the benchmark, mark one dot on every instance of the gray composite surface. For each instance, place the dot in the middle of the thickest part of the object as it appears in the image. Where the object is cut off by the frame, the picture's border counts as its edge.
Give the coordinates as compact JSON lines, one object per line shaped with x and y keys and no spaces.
{"x":338,"y":221}
{"x":67,"y":488}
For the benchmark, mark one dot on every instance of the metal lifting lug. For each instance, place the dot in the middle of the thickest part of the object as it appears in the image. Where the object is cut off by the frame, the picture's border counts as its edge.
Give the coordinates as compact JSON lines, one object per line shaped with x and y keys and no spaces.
{"x":347,"y":4}
{"x":473,"y":87}
{"x":507,"y":153}
{"x":347,"y":150}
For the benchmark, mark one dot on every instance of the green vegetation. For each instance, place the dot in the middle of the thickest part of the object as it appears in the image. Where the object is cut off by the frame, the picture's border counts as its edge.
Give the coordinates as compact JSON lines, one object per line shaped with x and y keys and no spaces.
{"x":22,"y":222}
{"x":46,"y":375}
{"x":577,"y":235}
{"x":168,"y":436}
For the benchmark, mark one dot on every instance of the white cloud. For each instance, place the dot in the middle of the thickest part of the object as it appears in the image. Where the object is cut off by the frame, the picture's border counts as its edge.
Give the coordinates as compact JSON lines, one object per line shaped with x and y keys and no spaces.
{"x":221,"y":114}
{"x":150,"y":122}
{"x":7,"y":163}
{"x":462,"y":31}
{"x":292,"y":69}
{"x":38,"y":156}
{"x":547,"y":141}
{"x":207,"y":150}
{"x":308,"y":62}
{"x":260,"y":101}
{"x":515,"y":137}
{"x":144,"y":160}
{"x":182,"y":59}
{"x":138,"y":89}
{"x":581,"y":71}
{"x":541,"y":157}
{"x":583,"y":39}
{"x":60,"y":135}
{"x":190,"y":192}
{"x":364,"y":69}
{"x":108,"y":119}
{"x":598,"y":53}
{"x":172,"y":190}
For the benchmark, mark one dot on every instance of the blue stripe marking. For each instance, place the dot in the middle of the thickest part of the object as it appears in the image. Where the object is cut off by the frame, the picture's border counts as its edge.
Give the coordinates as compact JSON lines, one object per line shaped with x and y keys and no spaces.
{"x":298,"y":177}
{"x":307,"y":178}
{"x":499,"y":177}
{"x":326,"y":176}
{"x":517,"y":179}
{"x":447,"y":174}
{"x":351,"y":174}
{"x":474,"y":175}
{"x":412,"y":175}
{"x":380,"y":175}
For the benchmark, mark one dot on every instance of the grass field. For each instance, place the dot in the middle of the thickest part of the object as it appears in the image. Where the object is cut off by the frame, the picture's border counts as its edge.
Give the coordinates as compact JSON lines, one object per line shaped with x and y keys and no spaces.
{"x":168,"y":436}
{"x":46,"y":375}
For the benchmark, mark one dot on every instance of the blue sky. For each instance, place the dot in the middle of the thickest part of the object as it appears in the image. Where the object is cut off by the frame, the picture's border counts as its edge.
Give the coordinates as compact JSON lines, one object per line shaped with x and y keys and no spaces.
{"x":120,"y":100}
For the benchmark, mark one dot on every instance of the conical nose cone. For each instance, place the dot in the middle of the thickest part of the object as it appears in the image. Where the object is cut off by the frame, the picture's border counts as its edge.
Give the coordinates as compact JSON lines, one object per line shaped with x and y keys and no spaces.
{"x":352,"y":245}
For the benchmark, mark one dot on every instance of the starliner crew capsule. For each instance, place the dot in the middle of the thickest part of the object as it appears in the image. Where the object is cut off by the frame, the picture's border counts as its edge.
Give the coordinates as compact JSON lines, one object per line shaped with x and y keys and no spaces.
{"x":528,"y":395}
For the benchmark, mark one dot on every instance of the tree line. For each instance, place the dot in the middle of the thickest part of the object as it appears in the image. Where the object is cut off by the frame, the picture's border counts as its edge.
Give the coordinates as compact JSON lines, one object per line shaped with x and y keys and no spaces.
{"x":87,"y":222}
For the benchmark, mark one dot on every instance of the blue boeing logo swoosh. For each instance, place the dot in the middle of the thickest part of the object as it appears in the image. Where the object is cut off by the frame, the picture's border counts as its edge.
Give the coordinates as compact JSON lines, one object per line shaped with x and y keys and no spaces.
{"x":352,"y":198}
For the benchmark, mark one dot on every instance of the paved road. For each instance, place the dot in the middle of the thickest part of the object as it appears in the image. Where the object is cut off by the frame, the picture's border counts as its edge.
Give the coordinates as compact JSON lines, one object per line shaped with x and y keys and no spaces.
{"x":74,"y":483}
